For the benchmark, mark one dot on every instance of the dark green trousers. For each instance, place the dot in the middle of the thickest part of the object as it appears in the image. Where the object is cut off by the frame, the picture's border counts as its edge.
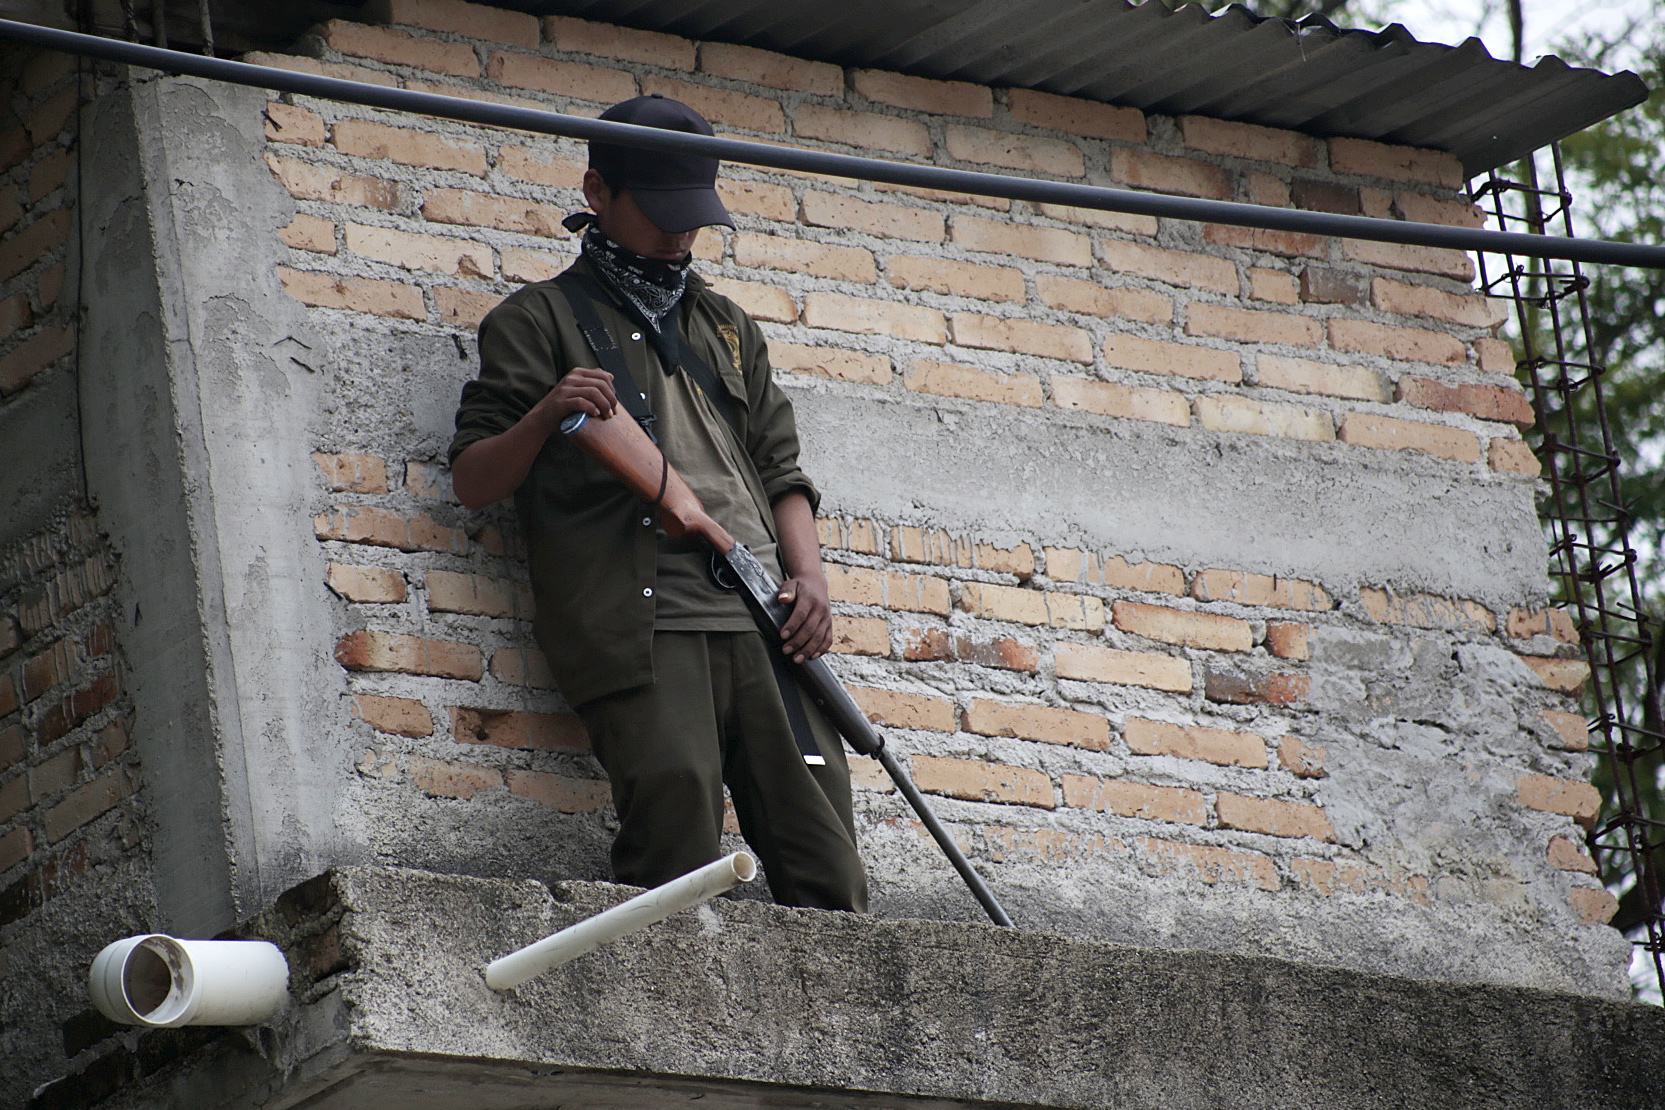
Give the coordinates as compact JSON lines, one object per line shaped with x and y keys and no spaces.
{"x":713,"y":716}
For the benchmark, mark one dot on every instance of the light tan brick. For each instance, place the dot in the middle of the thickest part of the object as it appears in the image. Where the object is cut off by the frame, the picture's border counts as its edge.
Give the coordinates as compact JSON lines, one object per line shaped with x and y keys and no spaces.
{"x":1262,"y":590}
{"x":309,"y":182}
{"x":385,"y":528}
{"x":1045,"y":244}
{"x":723,"y":107}
{"x":1299,"y":375}
{"x":397,"y":48}
{"x":953,"y":278}
{"x":1184,"y":268}
{"x":805,"y":256}
{"x":1142,"y":169}
{"x":1300,"y":759}
{"x":1488,"y":402}
{"x":1018,"y":560}
{"x":522,"y":667}
{"x":608,"y":40}
{"x":561,"y":792}
{"x":757,"y":198}
{"x":504,"y":728}
{"x":920,"y":94}
{"x":889,"y":221}
{"x":1426,"y":610}
{"x":1403,"y":256}
{"x":1129,"y":402}
{"x":1091,"y":663}
{"x":1118,"y":574}
{"x":1208,"y":864}
{"x":847,"y":366}
{"x":946,"y":379}
{"x":476,"y":21}
{"x":764,"y":67}
{"x":909,"y":544}
{"x":866,"y":130}
{"x":1578,"y":800}
{"x":1032,"y":154}
{"x":520,"y":264}
{"x":1288,"y":640}
{"x":541,"y":167}
{"x":1252,"y":325}
{"x":894,"y":709}
{"x":1210,"y":631}
{"x":399,"y":716}
{"x":366,"y":139}
{"x":385,"y":651}
{"x":1154,"y":356}
{"x":1135,"y":799}
{"x":1565,"y":855}
{"x":477,"y":595}
{"x":462,"y":206}
{"x":1566,"y":676}
{"x":472,"y":92}
{"x":442,"y":779}
{"x":976,"y":781}
{"x":1093,"y":299}
{"x":946,"y":196}
{"x":309,"y":233}
{"x":297,"y":64}
{"x":1272,"y":817}
{"x":1495,"y":356}
{"x":1212,"y":745}
{"x":1076,"y":115}
{"x":1290,"y":244}
{"x":375,"y":585}
{"x":1222,"y":412}
{"x":861,"y":636}
{"x":910,"y":592}
{"x":1021,"y":336}
{"x":1387,"y":433}
{"x":581,"y":82}
{"x":864,"y":316}
{"x":1512,"y":456}
{"x":1032,"y":607}
{"x":412,"y":251}
{"x":355,"y":472}
{"x":938,"y":644}
{"x":1094,"y":217}
{"x":1277,"y":286}
{"x":1038,"y":722}
{"x":464,"y":308}
{"x":1246,"y":140}
{"x":760,"y":299}
{"x":1571,"y":728}
{"x":380,"y":298}
{"x":289,"y":123}
{"x":1593,"y":905}
{"x":1396,"y":163}
{"x":1470,"y":309}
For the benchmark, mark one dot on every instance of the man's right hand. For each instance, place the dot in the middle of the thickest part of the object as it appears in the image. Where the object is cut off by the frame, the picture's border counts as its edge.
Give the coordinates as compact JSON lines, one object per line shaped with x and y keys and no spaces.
{"x":581,"y":389}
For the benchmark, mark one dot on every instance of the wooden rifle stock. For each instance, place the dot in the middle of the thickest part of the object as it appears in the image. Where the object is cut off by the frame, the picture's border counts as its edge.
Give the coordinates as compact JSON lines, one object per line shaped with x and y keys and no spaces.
{"x":629,"y":453}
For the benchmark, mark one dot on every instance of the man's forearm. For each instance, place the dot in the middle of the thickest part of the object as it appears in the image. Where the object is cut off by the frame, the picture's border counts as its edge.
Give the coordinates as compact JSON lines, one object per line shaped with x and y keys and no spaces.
{"x":491,"y":469}
{"x":800,"y":546}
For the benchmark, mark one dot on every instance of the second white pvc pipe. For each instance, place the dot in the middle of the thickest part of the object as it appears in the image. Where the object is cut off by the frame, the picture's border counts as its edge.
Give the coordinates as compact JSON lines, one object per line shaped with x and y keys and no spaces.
{"x":641,"y":911}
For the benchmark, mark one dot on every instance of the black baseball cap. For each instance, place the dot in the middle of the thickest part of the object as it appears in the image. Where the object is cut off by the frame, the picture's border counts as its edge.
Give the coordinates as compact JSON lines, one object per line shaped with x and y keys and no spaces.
{"x":678,"y":192}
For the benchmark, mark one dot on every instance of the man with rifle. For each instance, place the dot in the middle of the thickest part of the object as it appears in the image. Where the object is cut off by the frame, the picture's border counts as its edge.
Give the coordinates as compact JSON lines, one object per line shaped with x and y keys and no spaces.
{"x":679,"y":690}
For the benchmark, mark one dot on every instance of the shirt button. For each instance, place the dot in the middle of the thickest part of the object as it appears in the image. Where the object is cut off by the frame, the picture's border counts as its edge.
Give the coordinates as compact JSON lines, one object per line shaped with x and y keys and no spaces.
{"x":647,"y":522}
{"x":647,"y":591}
{"x":636,"y":335}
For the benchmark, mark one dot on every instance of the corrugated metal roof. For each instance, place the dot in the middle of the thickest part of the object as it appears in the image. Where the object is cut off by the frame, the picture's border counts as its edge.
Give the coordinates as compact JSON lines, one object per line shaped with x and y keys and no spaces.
{"x":1309,"y":76}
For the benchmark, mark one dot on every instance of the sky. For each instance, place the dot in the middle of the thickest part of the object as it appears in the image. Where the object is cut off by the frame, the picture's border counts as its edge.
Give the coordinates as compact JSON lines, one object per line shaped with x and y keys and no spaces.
{"x":1547,"y":22}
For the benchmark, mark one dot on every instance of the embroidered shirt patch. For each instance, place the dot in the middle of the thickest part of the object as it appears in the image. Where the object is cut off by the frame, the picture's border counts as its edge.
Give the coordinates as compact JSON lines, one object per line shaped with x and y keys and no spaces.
{"x":731,"y":336}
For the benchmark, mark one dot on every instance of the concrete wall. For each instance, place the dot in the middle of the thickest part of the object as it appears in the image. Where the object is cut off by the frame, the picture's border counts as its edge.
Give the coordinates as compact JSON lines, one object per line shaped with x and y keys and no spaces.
{"x":1194,"y":570}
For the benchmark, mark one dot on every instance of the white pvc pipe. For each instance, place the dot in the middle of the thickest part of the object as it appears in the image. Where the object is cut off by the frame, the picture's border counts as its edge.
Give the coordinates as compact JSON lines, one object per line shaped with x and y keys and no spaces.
{"x":641,"y":911}
{"x":164,"y":982}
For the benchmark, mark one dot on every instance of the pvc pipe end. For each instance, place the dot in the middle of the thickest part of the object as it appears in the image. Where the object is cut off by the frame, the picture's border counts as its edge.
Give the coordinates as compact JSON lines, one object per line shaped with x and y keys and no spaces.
{"x":745,"y":866}
{"x":160,"y":981}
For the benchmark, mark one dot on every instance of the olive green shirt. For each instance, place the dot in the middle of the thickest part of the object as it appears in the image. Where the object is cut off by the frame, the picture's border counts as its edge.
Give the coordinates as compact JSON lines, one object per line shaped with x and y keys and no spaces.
{"x":593,"y":548}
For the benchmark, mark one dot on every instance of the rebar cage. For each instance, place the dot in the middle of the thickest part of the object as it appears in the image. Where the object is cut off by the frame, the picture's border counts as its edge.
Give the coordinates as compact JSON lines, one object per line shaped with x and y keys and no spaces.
{"x":1595,"y":567}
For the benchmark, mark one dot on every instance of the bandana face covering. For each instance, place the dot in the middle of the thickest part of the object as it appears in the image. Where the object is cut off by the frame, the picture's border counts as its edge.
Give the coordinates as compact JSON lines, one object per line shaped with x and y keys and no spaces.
{"x":651,"y":285}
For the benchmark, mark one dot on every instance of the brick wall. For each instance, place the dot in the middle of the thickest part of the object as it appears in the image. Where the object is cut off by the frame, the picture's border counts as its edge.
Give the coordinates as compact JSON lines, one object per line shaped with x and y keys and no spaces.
{"x":1210,"y":731}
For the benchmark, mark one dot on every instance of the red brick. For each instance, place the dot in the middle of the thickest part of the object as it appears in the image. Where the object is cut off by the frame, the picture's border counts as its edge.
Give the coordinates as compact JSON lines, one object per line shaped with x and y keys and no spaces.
{"x":525,"y":731}
{"x":1076,"y":116}
{"x":1324,"y":285}
{"x":1565,"y":855}
{"x":891,"y":221}
{"x":580,"y":82}
{"x":568,"y":795}
{"x":373,"y":585}
{"x":952,"y":278}
{"x":400,"y":716}
{"x":16,"y":314}
{"x":1287,"y":640}
{"x":48,"y":669}
{"x":1386,"y":433}
{"x":1212,"y":745}
{"x":384,"y":528}
{"x":1022,"y":336}
{"x":475,"y":21}
{"x":351,"y":471}
{"x":15,"y":847}
{"x":1272,"y":817}
{"x":54,"y":775}
{"x":1246,"y":140}
{"x":1038,"y":722}
{"x":1044,"y":244}
{"x":522,"y":667}
{"x":49,"y":174}
{"x":1593,"y":906}
{"x":1267,"y":590}
{"x":385,"y":651}
{"x":1397,"y":163}
{"x":1578,"y":800}
{"x":14,"y":797}
{"x":1031,"y":154}
{"x":1571,"y":729}
{"x":1134,"y":799}
{"x":34,"y":355}
{"x":1300,"y":759}
{"x":764,"y":67}
{"x":920,"y":94}
{"x":847,"y":366}
{"x":289,"y":123}
{"x":1209,"y":631}
{"x":380,"y":298}
{"x":976,"y":781}
{"x":1129,"y":402}
{"x":1190,"y":177}
{"x":11,"y":742}
{"x":1240,"y":688}
{"x":306,"y":181}
{"x":899,"y":710}
{"x":1512,"y":456}
{"x":398,"y":48}
{"x":864,"y":316}
{"x":440,"y":779}
{"x":1153,"y":356}
{"x":1488,"y":402}
{"x":47,"y":120}
{"x":865,"y":130}
{"x":477,"y":595}
{"x":805,"y":256}
{"x":1566,"y":676}
{"x":723,"y":107}
{"x":86,"y":803}
{"x":1091,"y":663}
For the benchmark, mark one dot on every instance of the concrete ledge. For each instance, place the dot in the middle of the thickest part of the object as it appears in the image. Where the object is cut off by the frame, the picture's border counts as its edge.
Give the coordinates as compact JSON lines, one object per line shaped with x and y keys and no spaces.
{"x":747,"y":1004}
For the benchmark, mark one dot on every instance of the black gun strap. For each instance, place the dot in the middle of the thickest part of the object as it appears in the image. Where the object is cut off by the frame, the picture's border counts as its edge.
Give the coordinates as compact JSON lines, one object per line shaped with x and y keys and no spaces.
{"x":606,"y":349}
{"x":792,"y":700}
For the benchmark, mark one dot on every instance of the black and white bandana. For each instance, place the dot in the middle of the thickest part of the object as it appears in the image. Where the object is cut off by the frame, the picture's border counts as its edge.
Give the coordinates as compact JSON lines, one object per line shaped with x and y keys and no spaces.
{"x":652,"y":285}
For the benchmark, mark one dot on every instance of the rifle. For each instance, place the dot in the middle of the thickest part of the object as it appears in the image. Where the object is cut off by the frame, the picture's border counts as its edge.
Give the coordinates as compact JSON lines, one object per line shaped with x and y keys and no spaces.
{"x":626,"y":450}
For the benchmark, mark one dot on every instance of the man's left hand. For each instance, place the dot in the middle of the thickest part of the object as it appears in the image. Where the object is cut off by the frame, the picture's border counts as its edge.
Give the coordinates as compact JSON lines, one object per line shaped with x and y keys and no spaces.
{"x":808,"y":631}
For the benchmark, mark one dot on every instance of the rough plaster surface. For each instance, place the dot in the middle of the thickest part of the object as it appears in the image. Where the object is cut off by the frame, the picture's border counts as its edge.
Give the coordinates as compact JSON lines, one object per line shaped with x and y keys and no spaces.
{"x":745,"y":1005}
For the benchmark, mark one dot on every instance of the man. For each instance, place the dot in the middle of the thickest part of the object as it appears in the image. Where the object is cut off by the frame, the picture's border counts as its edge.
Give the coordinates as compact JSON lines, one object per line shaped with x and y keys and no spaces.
{"x":676,"y":685}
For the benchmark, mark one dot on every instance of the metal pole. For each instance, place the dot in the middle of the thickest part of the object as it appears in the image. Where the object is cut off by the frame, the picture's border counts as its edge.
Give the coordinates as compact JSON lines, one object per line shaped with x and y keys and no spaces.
{"x":841,"y":165}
